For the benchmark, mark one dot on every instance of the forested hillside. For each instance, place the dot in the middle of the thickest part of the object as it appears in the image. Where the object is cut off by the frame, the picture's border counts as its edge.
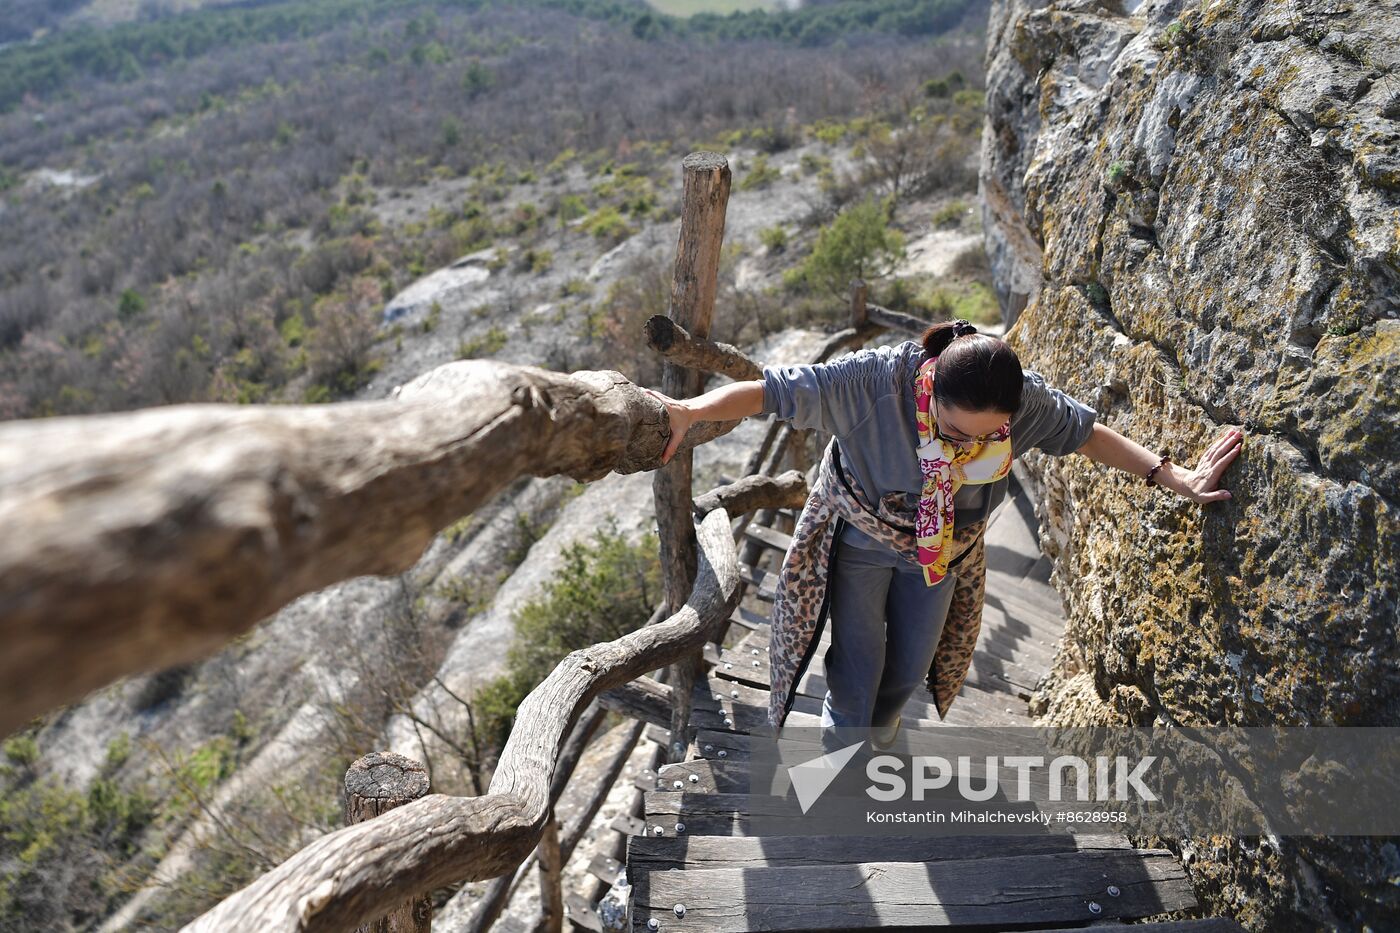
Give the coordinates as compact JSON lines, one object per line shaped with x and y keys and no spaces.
{"x":319,"y":199}
{"x":184,"y":198}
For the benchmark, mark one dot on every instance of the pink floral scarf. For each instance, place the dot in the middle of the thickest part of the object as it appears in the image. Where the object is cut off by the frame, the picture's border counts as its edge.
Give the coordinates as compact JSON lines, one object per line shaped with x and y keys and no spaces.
{"x":945,"y":467}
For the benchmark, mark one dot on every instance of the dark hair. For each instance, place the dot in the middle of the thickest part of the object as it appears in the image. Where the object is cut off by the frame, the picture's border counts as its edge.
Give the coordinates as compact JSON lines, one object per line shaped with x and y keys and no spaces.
{"x":976,"y":372}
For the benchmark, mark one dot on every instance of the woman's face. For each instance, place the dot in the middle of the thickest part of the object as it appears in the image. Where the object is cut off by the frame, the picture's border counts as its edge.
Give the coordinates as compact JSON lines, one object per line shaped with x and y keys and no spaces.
{"x":962,"y":427}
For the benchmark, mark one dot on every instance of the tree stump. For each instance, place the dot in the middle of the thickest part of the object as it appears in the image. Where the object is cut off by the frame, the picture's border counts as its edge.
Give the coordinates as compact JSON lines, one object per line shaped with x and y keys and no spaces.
{"x":375,"y":784}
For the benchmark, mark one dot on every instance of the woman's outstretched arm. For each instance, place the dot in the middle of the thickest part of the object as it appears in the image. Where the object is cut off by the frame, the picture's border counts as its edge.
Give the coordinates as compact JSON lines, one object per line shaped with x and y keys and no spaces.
{"x":727,"y":403}
{"x":1107,"y":446}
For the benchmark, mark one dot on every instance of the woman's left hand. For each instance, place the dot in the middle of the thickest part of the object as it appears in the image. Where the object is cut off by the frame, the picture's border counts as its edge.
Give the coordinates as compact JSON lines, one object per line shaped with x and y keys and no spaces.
{"x":1202,"y":484}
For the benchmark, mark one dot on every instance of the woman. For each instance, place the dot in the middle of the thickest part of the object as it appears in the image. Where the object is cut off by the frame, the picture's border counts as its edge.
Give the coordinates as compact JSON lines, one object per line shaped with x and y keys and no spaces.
{"x":890,"y":542}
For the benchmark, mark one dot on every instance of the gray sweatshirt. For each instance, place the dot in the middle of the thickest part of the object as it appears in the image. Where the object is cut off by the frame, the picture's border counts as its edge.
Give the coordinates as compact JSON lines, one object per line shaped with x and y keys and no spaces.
{"x":866,"y":399}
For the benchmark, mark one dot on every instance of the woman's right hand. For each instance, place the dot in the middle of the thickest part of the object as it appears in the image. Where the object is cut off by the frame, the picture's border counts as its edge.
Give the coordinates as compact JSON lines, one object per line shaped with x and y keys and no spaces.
{"x":681,"y":415}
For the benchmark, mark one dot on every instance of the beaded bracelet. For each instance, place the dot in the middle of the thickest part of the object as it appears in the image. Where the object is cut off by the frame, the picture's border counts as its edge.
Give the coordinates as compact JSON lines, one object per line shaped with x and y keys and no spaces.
{"x":1151,"y":472}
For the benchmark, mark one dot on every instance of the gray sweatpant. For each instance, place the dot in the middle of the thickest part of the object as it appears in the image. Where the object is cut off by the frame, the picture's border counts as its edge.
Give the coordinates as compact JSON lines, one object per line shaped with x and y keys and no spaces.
{"x":885,"y":622}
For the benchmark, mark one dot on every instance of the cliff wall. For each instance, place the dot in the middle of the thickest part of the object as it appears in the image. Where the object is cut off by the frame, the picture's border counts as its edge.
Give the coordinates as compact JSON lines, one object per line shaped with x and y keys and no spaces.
{"x":1193,"y":216}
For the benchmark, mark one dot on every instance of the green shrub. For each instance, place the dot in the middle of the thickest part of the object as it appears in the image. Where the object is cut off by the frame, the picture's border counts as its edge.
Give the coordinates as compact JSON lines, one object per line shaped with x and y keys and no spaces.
{"x":813,"y":164}
{"x":973,"y":301}
{"x":130,"y":304}
{"x":477,"y":78}
{"x":22,"y":749}
{"x":950,"y":215}
{"x":570,"y":207}
{"x":774,"y":239}
{"x":1115,"y":173}
{"x":575,"y":286}
{"x":603,"y":588}
{"x":859,"y":243}
{"x":969,"y":99}
{"x":759,"y":175}
{"x":536,"y":261}
{"x":486,"y":345}
{"x":607,"y":224}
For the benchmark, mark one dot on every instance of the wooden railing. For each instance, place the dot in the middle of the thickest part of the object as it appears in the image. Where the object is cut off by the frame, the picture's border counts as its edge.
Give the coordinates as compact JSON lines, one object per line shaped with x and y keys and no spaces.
{"x":150,"y":538}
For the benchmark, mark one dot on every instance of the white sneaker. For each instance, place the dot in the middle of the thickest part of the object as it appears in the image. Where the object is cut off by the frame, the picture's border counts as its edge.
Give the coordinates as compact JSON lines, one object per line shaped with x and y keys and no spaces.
{"x":883,"y":737}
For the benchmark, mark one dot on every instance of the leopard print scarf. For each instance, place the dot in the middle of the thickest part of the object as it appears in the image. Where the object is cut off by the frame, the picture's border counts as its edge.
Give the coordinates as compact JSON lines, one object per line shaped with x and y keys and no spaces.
{"x":800,"y":605}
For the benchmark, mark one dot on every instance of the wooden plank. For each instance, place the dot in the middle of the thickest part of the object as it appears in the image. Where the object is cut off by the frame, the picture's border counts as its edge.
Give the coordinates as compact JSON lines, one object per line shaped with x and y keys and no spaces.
{"x":627,"y":825}
{"x":993,"y":681}
{"x":1023,"y":889}
{"x":664,"y":853}
{"x":1019,"y":605}
{"x":728,"y":704}
{"x":605,"y":868}
{"x":1031,"y":592}
{"x":1019,"y":680}
{"x":660,"y":736}
{"x":747,"y":668}
{"x":765,"y":583}
{"x":703,"y":776}
{"x":650,"y":781}
{"x":771,"y":537}
{"x":1202,"y":925}
{"x":1011,"y":660}
{"x":581,"y":913}
{"x":749,"y":619}
{"x":717,"y":814}
{"x":709,"y":743}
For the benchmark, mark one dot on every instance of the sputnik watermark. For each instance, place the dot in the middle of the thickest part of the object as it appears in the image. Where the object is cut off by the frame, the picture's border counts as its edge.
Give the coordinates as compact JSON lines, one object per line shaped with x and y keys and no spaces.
{"x":932,"y":772}
{"x":1239,"y":781}
{"x":811,"y":778}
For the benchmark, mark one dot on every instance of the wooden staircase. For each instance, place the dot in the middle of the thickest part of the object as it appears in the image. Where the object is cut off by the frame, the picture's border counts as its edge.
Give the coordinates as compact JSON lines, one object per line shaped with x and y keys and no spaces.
{"x":694,"y":863}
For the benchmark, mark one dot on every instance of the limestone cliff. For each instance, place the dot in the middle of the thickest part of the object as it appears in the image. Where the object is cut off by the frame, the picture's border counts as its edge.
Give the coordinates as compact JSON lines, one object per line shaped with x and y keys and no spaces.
{"x":1193,"y":215}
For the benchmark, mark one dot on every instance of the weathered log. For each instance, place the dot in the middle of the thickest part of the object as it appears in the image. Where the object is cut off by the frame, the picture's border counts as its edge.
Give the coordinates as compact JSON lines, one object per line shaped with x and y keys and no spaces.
{"x":693,"y":287}
{"x":487,"y":908}
{"x":142,"y":540}
{"x":375,"y":784}
{"x":896,"y":320}
{"x":643,"y":699}
{"x":785,"y":491}
{"x":676,"y":344}
{"x":359,"y":873}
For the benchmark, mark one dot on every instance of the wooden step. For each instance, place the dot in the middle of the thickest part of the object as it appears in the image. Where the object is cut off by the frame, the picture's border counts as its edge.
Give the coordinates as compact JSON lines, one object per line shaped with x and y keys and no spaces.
{"x":769,"y":537}
{"x":765,"y":583}
{"x":665,"y":853}
{"x":1023,"y":602}
{"x":733,"y":814}
{"x":995,"y":680}
{"x":749,"y":619}
{"x":581,"y":913}
{"x":605,"y":868}
{"x":1202,"y":925}
{"x":722,"y":776}
{"x":1056,"y":887}
{"x":738,"y":665}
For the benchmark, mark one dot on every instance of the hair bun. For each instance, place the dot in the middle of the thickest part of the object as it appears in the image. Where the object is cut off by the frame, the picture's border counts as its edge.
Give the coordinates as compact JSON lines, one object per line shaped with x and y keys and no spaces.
{"x":962,"y":327}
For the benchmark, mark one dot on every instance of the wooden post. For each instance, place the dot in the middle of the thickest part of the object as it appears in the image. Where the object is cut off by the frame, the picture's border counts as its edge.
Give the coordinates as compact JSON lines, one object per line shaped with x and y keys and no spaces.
{"x":860,"y":314}
{"x":693,"y":288}
{"x":376,"y":783}
{"x":551,"y":888}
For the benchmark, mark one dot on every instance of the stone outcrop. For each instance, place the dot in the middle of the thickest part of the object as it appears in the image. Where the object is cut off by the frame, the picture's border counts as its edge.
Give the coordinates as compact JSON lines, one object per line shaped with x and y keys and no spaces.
{"x":1193,"y":217}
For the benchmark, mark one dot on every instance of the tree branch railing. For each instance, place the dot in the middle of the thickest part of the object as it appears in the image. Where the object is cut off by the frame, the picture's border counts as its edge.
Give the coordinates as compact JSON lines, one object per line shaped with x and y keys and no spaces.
{"x":152,"y":537}
{"x":358,"y":873}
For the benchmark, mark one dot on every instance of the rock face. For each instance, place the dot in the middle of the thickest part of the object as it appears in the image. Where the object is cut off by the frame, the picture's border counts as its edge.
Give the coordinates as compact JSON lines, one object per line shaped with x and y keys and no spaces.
{"x":1193,"y":217}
